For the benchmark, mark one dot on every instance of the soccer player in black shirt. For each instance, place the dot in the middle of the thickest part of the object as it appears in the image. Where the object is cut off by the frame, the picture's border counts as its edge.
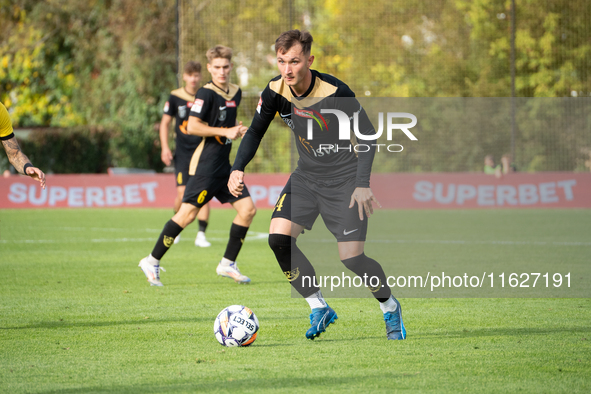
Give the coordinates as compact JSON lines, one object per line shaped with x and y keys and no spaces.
{"x":213,"y":117}
{"x":328,"y":182}
{"x":178,"y":106}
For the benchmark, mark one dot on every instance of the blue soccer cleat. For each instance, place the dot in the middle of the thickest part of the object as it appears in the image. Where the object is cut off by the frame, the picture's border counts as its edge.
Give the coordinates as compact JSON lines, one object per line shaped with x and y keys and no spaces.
{"x":394,"y":325}
{"x":320,"y":318}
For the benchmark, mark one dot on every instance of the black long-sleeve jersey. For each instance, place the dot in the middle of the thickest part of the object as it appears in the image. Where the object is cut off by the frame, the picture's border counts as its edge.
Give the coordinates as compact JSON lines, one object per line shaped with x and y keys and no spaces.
{"x":178,"y":106}
{"x":324,"y":156}
{"x":217,"y":108}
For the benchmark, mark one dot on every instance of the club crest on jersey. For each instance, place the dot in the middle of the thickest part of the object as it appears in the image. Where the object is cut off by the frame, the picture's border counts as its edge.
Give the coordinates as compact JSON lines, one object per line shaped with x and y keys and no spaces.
{"x":287,"y":120}
{"x":223,"y":114}
{"x":182,"y":111}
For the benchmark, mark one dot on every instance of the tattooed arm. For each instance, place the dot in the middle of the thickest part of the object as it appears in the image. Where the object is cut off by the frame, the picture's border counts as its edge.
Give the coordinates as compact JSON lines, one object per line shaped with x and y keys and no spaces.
{"x":21,"y":162}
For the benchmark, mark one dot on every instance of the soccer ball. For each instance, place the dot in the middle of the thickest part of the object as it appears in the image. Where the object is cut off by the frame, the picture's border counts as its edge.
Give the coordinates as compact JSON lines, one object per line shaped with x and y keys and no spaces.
{"x":236,"y":325}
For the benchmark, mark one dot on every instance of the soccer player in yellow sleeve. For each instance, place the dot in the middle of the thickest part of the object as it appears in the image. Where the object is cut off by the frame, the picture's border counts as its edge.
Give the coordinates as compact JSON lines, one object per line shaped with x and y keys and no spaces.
{"x":16,"y":157}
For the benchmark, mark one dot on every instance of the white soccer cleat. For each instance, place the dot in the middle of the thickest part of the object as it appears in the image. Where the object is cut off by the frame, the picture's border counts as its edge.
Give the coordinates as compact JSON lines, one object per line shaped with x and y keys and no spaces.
{"x":232,"y":271}
{"x":152,"y":272}
{"x":201,"y":241}
{"x":177,"y":239}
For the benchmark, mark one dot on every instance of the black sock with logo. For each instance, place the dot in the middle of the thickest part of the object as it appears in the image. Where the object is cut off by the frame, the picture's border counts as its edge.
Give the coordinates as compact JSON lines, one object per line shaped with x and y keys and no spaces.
{"x":202,"y":225}
{"x":237,"y":235}
{"x":166,"y":239}
{"x":367,"y":267}
{"x":294,"y":264}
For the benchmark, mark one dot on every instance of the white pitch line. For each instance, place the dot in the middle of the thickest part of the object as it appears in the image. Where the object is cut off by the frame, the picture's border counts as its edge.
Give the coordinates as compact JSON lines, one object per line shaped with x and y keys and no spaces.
{"x":118,"y":229}
{"x":255,"y":236}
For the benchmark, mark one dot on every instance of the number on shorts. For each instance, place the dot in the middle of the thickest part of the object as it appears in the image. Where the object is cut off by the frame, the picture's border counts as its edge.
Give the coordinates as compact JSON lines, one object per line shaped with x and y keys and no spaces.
{"x":279,"y":204}
{"x":201,"y":197}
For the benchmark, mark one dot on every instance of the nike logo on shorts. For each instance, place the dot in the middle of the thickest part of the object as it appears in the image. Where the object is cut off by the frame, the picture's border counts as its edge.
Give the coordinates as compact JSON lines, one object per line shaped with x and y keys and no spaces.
{"x":345,"y":232}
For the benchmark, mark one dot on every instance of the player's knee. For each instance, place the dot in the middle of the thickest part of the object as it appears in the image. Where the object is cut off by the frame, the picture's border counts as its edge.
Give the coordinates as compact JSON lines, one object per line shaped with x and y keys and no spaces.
{"x":186,"y":215}
{"x":192,"y":215}
{"x":281,"y":245}
{"x":355,"y":263}
{"x":247,"y":212}
{"x":250,"y":212}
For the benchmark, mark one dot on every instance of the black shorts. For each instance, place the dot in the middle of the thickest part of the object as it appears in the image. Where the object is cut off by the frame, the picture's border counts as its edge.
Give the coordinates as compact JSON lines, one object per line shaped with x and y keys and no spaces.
{"x":201,"y":189}
{"x":181,"y":169}
{"x":302,"y":200}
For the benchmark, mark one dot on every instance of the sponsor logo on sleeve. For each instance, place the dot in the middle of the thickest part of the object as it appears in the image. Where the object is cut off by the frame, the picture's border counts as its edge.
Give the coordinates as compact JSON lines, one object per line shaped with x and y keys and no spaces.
{"x":166,"y":107}
{"x":260,"y":104}
{"x":197,"y":106}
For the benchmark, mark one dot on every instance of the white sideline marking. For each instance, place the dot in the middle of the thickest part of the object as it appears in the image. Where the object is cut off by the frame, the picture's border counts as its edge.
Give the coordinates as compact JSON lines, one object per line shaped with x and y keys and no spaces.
{"x":119,"y":229}
{"x":254,"y":236}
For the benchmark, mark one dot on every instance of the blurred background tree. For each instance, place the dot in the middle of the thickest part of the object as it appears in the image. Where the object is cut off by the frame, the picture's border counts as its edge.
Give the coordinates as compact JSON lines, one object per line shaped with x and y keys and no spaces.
{"x":104,"y":64}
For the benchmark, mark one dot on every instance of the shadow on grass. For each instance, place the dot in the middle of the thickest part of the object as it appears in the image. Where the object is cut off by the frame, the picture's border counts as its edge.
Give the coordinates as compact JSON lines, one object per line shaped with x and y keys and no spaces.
{"x":356,"y":338}
{"x":501,"y":332}
{"x":70,"y":324}
{"x":286,"y":384}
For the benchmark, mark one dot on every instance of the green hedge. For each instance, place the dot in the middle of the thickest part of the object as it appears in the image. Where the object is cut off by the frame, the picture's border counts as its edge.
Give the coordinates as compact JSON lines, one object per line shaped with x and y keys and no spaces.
{"x":89,"y":150}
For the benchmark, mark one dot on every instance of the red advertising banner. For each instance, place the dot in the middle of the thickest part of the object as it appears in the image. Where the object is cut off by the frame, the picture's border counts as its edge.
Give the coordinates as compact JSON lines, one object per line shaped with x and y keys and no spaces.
{"x":98,"y":191}
{"x":467,"y":190}
{"x":394,"y":191}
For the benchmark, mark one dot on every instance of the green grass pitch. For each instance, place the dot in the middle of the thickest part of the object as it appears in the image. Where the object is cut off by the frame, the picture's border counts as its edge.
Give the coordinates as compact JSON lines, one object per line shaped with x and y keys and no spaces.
{"x":77,"y":315}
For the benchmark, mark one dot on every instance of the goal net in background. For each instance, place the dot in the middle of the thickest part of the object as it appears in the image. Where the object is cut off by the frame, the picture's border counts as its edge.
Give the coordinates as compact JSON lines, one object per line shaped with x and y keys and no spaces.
{"x":421,"y":48}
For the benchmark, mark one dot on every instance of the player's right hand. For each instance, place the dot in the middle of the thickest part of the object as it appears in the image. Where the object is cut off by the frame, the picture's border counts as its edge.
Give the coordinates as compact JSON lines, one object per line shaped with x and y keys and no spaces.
{"x":37,"y":175}
{"x":236,"y":131}
{"x":236,"y":183}
{"x":166,"y":156}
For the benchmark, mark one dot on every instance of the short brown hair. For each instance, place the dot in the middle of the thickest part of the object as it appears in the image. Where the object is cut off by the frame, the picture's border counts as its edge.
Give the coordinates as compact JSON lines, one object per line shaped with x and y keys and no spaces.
{"x":289,"y":38}
{"x":219,"y":51}
{"x":192,"y":67}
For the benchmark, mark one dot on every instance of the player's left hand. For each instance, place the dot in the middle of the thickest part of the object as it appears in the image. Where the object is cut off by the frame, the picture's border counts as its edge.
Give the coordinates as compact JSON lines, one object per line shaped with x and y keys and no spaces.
{"x":37,"y":175}
{"x":364,"y":197}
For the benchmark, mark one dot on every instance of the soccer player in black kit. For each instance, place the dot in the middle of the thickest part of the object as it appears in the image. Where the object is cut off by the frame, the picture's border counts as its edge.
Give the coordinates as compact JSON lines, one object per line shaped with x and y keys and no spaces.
{"x":213,"y":117}
{"x":178,"y":107}
{"x":325,"y":183}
